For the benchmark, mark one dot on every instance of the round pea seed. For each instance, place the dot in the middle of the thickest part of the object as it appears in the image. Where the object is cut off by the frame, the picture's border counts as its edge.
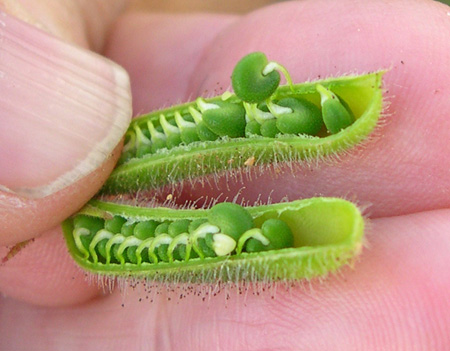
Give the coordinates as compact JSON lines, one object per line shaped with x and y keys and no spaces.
{"x":232,"y":219}
{"x":178,"y":227}
{"x":162,"y":228}
{"x":173,"y":140}
{"x":131,"y":254}
{"x":145,"y":229}
{"x":114,"y":225}
{"x":269,"y":128}
{"x":228,"y":120}
{"x":248,"y":81}
{"x":196,"y":223}
{"x":252,"y":128}
{"x":93,"y":224}
{"x":161,"y":252}
{"x":277,"y":232}
{"x":128,"y":229}
{"x":143,"y":149}
{"x":101,"y":247}
{"x":115,"y":256}
{"x":205,"y":134}
{"x":189,"y":135}
{"x":205,"y":245}
{"x":306,"y":117}
{"x":336,"y":113}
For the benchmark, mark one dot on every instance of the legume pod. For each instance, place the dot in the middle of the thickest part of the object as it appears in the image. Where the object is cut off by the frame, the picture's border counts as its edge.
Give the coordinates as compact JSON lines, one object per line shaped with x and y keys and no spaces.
{"x":284,"y":241}
{"x":286,"y":123}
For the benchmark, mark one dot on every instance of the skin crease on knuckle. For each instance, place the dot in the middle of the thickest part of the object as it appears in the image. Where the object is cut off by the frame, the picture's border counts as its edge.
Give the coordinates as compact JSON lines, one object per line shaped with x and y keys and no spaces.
{"x":330,"y":315}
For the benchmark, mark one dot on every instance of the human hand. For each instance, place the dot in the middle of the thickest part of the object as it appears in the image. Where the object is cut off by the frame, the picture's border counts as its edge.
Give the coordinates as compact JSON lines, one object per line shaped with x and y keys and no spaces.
{"x":395,"y":298}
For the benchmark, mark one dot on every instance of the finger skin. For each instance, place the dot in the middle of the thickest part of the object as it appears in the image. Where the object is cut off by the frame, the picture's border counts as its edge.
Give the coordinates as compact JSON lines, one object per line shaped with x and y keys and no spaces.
{"x":43,"y":273}
{"x":45,"y":213}
{"x":395,"y":299}
{"x":84,"y":23}
{"x":161,"y":54}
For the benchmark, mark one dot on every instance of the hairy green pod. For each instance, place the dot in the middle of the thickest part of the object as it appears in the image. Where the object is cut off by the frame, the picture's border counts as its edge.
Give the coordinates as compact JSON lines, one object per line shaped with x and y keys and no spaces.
{"x":260,"y":138}
{"x":326,"y":233}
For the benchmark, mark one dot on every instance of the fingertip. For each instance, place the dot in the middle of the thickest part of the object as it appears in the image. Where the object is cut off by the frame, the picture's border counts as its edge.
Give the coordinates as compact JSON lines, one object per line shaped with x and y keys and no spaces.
{"x":23,"y":218}
{"x":43,"y":273}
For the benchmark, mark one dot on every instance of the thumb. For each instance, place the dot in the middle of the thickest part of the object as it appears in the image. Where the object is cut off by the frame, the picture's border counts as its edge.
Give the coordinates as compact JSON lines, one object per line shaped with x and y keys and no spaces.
{"x":64,"y":110}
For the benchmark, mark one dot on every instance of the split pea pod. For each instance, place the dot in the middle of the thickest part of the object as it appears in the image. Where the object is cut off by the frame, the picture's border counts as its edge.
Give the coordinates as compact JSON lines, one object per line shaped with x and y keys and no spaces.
{"x":262,"y":121}
{"x":285,"y":241}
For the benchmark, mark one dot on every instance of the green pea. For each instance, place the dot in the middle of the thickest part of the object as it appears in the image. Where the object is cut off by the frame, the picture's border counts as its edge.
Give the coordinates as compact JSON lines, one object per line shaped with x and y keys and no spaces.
{"x":143,"y":149}
{"x":101,"y":248}
{"x":171,"y":131}
{"x":158,"y":144}
{"x":142,"y":139}
{"x":227,"y":120}
{"x":178,"y":227}
{"x":115,"y":257}
{"x":205,"y":134}
{"x":91,"y":224}
{"x":161,"y":252}
{"x":162,"y":228}
{"x":128,"y":229}
{"x":278,"y":234}
{"x":131,"y":254}
{"x":196,"y":223}
{"x":180,"y":253}
{"x":232,"y":219}
{"x":145,"y":229}
{"x":173,"y":140}
{"x":336,"y":114}
{"x":263,"y":107}
{"x":269,"y":128}
{"x":189,"y":135}
{"x":305,"y":118}
{"x":188,"y":129}
{"x":114,"y":225}
{"x":249,"y":82}
{"x":205,"y":245}
{"x":252,"y":128}
{"x":158,"y":138}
